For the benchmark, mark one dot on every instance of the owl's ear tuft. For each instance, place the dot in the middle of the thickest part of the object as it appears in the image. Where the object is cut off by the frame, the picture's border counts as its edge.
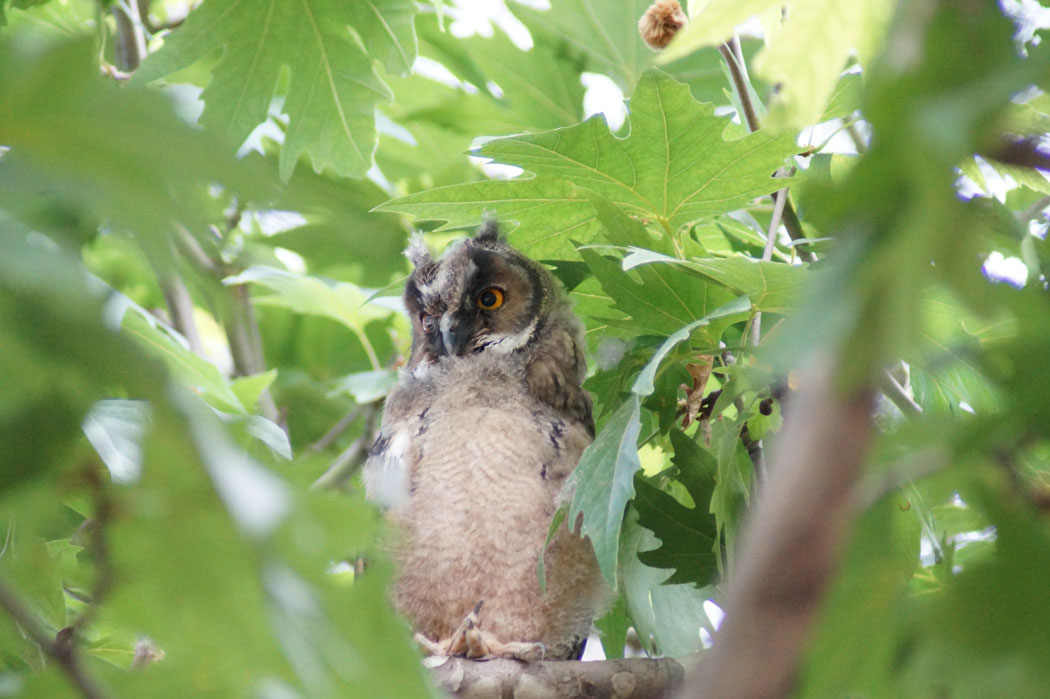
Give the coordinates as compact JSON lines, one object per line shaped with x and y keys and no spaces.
{"x":489,"y":231}
{"x":417,"y":252}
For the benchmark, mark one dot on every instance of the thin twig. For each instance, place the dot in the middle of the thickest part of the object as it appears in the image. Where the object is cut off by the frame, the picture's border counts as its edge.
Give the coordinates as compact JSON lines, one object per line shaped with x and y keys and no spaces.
{"x":767,"y":254}
{"x":857,"y":137}
{"x":1035,"y":210}
{"x":896,"y":393}
{"x":738,"y":74}
{"x":95,"y":530}
{"x":62,"y":653}
{"x":337,"y":429}
{"x":131,"y":46}
{"x":774,"y":224}
{"x":351,"y":458}
{"x":741,"y":84}
{"x":191,"y":249}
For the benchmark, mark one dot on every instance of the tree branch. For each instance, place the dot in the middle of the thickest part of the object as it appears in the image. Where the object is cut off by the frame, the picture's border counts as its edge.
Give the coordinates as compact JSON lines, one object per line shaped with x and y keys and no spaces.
{"x":180,"y":310}
{"x":62,"y":652}
{"x":791,"y":544}
{"x":632,"y":678}
{"x":131,"y":43}
{"x":896,"y":393}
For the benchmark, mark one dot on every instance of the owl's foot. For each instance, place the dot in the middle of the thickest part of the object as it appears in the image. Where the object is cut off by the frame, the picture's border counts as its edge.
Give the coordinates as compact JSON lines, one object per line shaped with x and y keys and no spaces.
{"x":470,"y":641}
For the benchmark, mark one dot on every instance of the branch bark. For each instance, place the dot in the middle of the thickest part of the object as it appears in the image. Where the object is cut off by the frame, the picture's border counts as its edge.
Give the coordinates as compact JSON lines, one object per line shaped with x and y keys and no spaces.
{"x":632,"y":678}
{"x":791,"y":545}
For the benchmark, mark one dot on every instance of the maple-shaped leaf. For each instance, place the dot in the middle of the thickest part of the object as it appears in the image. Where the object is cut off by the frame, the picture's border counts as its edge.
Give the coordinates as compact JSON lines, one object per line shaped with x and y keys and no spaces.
{"x":674,"y":168}
{"x":658,"y":299}
{"x":604,"y":33}
{"x":332,"y":88}
{"x":688,"y":534}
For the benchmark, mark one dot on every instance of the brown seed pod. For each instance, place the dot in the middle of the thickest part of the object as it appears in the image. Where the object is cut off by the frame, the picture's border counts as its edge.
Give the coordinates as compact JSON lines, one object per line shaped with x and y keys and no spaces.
{"x":661,"y":22}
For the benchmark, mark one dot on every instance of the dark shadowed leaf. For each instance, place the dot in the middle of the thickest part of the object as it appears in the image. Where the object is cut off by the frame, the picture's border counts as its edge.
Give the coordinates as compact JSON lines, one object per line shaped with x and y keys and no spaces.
{"x":688,"y":535}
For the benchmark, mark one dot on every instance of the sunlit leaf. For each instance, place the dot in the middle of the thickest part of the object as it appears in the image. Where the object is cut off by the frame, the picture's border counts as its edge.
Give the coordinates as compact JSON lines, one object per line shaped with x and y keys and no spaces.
{"x":115,"y":428}
{"x":805,"y":56}
{"x":692,"y":172}
{"x":333,"y":87}
{"x":167,"y":345}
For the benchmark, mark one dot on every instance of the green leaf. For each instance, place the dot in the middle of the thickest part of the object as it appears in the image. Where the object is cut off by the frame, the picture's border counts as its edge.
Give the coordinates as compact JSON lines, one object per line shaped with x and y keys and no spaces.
{"x":855,"y":640}
{"x":657,"y":300}
{"x":333,"y":88}
{"x":367,"y":386}
{"x":143,"y":170}
{"x":737,"y":308}
{"x":257,"y":427}
{"x":36,"y":571}
{"x":732,"y":484}
{"x":772,"y":286}
{"x":249,"y":388}
{"x":341,"y":301}
{"x":688,"y":535}
{"x":613,"y":627}
{"x":605,"y":34}
{"x":668,"y":618}
{"x":167,"y":345}
{"x":846,"y":98}
{"x":539,"y":88}
{"x":714,"y":24}
{"x":673,"y":168}
{"x":115,"y":428}
{"x":811,"y":50}
{"x":603,"y":483}
{"x":50,"y":382}
{"x":805,"y":56}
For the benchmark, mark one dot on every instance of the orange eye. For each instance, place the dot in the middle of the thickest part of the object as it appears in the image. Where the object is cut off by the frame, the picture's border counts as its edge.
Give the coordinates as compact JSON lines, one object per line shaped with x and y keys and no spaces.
{"x":490,"y":299}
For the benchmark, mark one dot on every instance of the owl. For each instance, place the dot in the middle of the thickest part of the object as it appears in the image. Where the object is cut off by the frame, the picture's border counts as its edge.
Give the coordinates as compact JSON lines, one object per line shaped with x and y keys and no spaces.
{"x":486,"y":422}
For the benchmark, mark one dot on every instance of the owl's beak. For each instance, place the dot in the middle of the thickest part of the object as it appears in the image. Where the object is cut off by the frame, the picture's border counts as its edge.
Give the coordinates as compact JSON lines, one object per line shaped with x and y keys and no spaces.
{"x":452,"y":336}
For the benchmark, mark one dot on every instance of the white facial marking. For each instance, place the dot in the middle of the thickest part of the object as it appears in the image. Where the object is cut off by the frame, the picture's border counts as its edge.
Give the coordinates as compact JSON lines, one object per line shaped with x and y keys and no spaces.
{"x":509,"y":343}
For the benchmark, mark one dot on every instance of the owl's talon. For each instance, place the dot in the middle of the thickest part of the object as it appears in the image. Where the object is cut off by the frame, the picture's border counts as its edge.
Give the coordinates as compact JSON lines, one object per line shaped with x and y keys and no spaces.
{"x":430,"y":647}
{"x":469,"y":640}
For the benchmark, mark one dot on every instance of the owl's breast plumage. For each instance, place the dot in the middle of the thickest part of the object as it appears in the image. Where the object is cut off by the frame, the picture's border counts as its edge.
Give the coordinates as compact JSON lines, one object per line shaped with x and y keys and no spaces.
{"x":486,"y":463}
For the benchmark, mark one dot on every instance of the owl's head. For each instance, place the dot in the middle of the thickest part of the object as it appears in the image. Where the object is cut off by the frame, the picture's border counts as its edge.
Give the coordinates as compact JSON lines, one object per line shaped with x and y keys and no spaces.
{"x":481,"y":296}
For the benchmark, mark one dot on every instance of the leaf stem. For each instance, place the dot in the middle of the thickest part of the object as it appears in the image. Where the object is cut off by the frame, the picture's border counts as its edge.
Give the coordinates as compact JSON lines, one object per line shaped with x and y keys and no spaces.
{"x":373,"y":359}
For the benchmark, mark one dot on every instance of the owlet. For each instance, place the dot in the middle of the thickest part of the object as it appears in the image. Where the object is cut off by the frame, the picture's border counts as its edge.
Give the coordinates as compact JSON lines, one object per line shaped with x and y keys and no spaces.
{"x":486,"y":422}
